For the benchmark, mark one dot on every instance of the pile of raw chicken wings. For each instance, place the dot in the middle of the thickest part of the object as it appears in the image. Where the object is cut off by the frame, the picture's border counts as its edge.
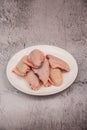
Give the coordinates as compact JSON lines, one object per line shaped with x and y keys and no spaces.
{"x":40,"y":70}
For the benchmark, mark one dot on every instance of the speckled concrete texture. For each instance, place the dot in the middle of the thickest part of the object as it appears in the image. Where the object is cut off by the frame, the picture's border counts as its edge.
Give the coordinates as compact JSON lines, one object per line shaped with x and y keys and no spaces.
{"x":62,"y":23}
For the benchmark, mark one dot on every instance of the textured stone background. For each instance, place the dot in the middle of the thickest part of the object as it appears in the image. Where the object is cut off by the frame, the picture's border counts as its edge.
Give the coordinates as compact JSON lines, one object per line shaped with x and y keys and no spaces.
{"x":55,"y":22}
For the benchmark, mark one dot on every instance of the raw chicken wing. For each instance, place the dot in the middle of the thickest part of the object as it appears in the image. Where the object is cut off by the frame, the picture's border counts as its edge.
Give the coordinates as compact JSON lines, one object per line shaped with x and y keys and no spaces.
{"x":43,"y":72}
{"x":56,"y":76}
{"x":58,"y":63}
{"x":21,"y":68}
{"x":36,"y":57}
{"x":33,"y":80}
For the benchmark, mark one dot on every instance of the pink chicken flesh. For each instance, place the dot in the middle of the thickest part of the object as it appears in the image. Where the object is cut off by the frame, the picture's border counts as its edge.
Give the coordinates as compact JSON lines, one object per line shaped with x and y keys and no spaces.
{"x":33,"y":80}
{"x":21,"y":68}
{"x":35,"y":58}
{"x":48,"y":84}
{"x":56,"y":76}
{"x":43,"y":72}
{"x":58,"y":63}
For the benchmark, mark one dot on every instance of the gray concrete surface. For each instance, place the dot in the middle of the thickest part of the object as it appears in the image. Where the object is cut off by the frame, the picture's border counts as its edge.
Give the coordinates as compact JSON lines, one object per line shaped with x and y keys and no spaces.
{"x":62,"y":23}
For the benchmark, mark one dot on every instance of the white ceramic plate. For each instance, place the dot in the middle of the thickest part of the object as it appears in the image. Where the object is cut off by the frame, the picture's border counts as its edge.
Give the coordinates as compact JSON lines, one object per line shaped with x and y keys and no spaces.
{"x":20,"y":84}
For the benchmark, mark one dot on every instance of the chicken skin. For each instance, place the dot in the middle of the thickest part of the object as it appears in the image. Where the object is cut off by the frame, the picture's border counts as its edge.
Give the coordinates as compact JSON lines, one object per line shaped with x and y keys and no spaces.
{"x":48,"y":84}
{"x":21,"y":68}
{"x":43,"y":72}
{"x":33,"y":80}
{"x":36,"y":57}
{"x":56,"y":62}
{"x":56,"y":76}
